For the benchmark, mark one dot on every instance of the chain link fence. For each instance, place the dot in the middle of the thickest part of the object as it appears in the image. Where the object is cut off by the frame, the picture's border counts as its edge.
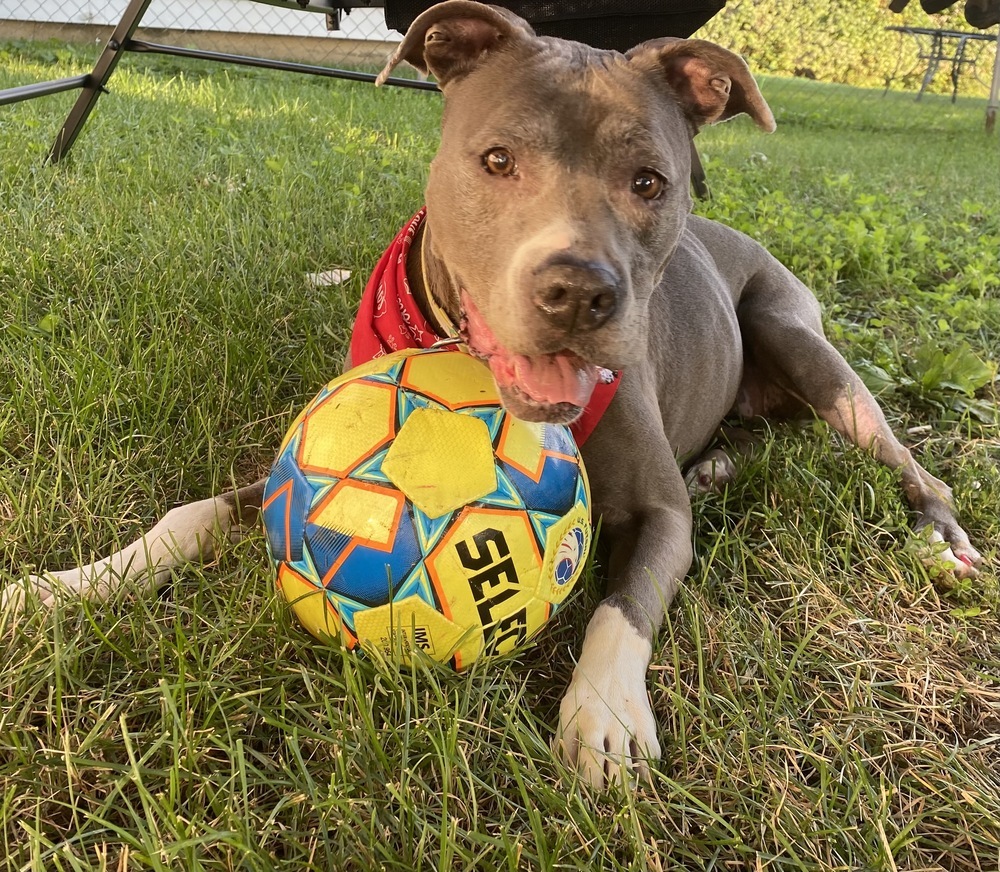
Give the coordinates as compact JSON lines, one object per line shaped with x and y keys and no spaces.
{"x":824,"y":63}
{"x":358,"y":38}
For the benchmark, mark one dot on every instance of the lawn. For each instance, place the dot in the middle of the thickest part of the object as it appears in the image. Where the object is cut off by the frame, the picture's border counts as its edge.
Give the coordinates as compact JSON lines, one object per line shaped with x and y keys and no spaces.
{"x":824,"y":701}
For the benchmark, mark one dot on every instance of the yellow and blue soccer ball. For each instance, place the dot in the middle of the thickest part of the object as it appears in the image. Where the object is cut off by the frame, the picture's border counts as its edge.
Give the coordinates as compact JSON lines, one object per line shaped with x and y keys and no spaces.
{"x":408,"y":510}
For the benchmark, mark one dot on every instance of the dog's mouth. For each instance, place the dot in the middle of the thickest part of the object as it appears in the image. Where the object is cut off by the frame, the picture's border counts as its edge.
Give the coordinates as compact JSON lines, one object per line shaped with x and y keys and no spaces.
{"x":546,"y":387}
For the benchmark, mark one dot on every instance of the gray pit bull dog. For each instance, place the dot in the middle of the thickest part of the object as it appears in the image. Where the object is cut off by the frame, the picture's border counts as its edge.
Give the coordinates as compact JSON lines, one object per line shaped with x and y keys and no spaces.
{"x":559,"y":234}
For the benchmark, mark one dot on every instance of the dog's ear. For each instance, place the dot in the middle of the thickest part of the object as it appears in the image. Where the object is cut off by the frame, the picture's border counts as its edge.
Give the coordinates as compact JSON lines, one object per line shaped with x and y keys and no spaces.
{"x":451,"y":38}
{"x":710,"y":82}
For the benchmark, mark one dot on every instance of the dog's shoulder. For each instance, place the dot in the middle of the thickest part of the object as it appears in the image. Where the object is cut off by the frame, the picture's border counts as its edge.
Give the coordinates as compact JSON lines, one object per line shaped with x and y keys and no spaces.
{"x":730,"y":253}
{"x":723,"y":241}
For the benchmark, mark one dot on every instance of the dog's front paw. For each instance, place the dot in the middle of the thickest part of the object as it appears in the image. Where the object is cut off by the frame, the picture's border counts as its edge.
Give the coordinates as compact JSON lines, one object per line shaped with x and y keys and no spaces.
{"x":606,"y":729}
{"x":606,"y":726}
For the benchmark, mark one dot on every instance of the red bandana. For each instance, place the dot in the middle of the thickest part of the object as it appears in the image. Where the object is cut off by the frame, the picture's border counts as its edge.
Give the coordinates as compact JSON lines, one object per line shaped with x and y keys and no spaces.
{"x":389,"y":319}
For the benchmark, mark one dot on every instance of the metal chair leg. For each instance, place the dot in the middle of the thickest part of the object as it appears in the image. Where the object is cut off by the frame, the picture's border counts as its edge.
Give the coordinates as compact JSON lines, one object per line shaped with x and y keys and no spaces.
{"x":98,"y":78}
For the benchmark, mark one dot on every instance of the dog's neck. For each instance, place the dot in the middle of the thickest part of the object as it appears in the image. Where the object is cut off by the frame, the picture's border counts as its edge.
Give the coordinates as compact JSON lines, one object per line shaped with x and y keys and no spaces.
{"x":430,"y":284}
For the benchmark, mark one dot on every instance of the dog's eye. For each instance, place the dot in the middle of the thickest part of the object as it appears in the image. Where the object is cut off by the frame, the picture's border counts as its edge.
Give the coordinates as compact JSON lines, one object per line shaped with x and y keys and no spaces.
{"x":647,"y":184}
{"x":499,"y":162}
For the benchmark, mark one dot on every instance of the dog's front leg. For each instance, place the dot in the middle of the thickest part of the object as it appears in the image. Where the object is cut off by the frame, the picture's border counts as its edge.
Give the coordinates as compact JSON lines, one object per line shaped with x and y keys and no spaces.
{"x":606,"y":724}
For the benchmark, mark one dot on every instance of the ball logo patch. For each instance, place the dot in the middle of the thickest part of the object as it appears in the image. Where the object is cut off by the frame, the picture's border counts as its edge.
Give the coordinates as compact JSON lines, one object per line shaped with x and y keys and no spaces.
{"x":569,"y":553}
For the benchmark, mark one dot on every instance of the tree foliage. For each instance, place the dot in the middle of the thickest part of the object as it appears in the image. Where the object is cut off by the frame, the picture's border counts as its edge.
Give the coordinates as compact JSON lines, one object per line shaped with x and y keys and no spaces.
{"x":844,"y":41}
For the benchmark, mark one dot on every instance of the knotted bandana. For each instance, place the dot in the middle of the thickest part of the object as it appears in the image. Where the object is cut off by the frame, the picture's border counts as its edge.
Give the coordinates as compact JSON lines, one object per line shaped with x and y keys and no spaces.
{"x":389,"y":319}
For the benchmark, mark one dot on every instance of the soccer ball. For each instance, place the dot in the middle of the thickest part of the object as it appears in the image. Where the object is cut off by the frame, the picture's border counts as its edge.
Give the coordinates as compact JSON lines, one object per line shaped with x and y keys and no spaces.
{"x":408,"y":510}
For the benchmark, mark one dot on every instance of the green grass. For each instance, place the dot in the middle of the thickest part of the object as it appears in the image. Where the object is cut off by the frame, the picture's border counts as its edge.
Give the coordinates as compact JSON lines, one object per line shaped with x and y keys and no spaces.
{"x":823,"y":703}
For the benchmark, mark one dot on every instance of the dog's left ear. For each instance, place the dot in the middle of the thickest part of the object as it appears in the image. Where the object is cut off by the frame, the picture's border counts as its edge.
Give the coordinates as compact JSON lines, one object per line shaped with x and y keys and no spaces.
{"x":710,"y":82}
{"x":452,"y":38}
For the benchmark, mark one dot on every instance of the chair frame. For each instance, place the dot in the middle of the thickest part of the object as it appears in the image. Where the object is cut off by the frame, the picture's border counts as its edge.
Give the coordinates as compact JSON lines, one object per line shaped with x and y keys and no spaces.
{"x":122,"y":40}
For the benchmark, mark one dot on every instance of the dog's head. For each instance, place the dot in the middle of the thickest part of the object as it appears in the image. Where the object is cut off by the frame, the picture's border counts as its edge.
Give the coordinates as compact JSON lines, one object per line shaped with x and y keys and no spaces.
{"x":560,"y":189}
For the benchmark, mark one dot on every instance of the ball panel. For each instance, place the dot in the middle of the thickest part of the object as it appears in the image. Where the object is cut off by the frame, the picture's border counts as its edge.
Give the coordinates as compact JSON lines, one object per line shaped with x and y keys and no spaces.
{"x":554,"y":491}
{"x":378,"y":368}
{"x":287,"y":495}
{"x":410,"y":623}
{"x":441,"y":460}
{"x":347,"y":427}
{"x":371,"y":575}
{"x":367,"y":512}
{"x":453,"y":379}
{"x":520,"y":446}
{"x":362,"y":541}
{"x":497,"y":554}
{"x":312,"y":606}
{"x":542,"y":462}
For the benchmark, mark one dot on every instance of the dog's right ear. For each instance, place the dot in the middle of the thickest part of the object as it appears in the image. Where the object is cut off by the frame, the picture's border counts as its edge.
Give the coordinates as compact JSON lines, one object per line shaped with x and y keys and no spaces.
{"x":451,"y":38}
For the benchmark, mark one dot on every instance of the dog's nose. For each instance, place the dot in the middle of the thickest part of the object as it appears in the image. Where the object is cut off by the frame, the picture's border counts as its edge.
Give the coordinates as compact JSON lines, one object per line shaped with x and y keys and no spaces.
{"x":576,"y":294}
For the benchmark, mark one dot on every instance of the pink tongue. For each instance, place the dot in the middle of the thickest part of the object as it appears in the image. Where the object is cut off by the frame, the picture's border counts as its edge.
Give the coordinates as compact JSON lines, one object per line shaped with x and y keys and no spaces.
{"x":549,"y":378}
{"x":545,"y":378}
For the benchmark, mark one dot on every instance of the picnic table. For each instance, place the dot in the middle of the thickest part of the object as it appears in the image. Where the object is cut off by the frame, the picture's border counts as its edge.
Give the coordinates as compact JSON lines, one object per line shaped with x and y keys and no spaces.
{"x":937,"y":46}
